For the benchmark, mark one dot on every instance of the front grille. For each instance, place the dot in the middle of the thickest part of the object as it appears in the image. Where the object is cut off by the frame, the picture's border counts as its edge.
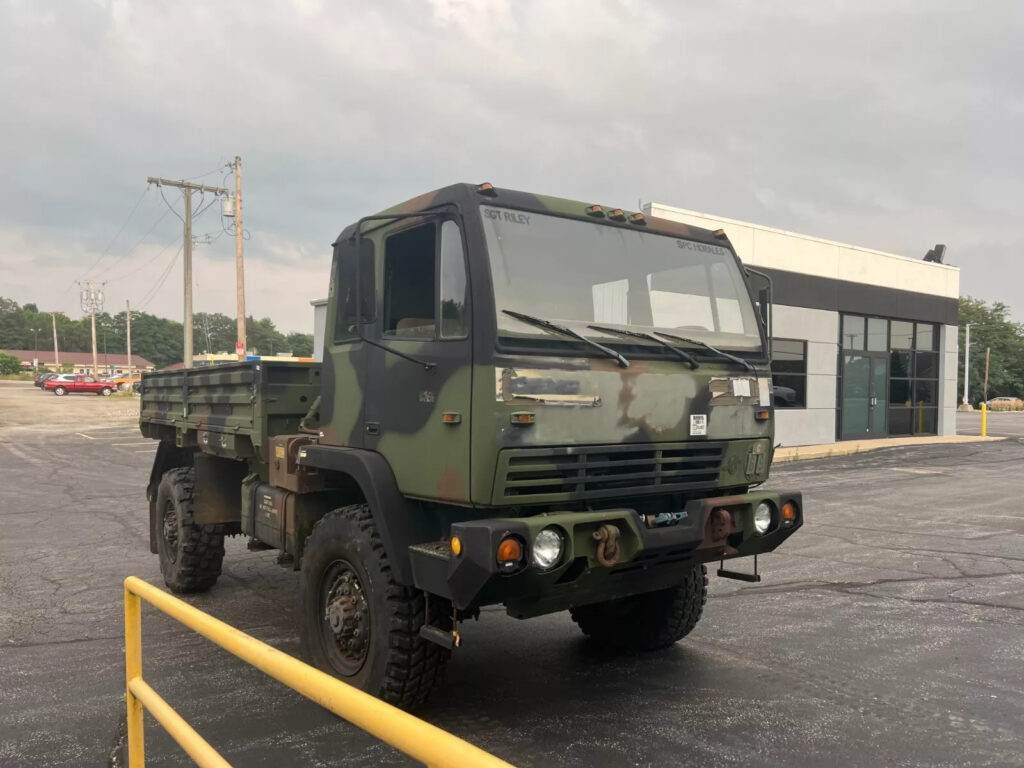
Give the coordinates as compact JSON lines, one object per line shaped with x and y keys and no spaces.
{"x":600,"y":471}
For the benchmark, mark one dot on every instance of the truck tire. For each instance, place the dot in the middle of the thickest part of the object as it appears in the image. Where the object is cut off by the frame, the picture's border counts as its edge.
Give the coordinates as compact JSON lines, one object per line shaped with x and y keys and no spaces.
{"x":647,"y":622}
{"x":60,"y":391}
{"x":105,"y":392}
{"x":190,"y":554}
{"x":357,"y":623}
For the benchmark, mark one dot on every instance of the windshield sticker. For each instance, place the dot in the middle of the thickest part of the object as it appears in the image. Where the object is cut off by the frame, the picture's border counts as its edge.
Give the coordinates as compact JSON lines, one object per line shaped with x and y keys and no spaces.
{"x":698,"y":424}
{"x":512,"y":217}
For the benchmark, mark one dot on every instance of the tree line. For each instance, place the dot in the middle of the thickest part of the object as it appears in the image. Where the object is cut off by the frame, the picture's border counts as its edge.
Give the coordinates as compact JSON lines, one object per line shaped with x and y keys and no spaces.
{"x":155,"y":338}
{"x":991,"y":328}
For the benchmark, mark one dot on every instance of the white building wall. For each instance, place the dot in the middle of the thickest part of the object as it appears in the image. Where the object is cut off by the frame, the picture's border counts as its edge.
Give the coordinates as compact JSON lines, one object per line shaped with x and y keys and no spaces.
{"x":319,"y":327}
{"x":949,"y":340}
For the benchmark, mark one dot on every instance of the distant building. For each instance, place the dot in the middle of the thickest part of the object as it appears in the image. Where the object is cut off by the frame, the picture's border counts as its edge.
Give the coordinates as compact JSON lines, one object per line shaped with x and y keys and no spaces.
{"x":864,"y":343}
{"x":110,"y":364}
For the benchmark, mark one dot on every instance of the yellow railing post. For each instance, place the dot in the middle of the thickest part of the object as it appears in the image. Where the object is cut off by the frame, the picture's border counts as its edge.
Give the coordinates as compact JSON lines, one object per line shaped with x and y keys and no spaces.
{"x":133,"y":671}
{"x":984,"y":420}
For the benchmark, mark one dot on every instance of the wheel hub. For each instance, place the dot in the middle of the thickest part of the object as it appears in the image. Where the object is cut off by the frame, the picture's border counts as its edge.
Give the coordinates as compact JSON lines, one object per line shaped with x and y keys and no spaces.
{"x":347,"y":615}
{"x":170,"y":532}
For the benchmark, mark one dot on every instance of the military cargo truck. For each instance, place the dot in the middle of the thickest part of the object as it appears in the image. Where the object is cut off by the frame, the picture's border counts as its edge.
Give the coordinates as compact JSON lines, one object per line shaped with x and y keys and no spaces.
{"x":524,"y":401}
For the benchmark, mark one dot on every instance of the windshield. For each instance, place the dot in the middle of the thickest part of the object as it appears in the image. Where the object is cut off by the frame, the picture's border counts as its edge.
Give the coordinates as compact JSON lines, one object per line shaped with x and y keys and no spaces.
{"x":582,"y":273}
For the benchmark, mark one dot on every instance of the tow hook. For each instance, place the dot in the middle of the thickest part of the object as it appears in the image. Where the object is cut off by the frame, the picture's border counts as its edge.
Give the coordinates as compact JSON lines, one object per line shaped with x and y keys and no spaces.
{"x":607,"y":545}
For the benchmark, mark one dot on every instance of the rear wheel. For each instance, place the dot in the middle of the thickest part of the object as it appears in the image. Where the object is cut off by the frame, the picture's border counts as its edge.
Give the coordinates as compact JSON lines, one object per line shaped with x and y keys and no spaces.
{"x":359,"y":624}
{"x":105,"y":392}
{"x":646,"y":622}
{"x":60,"y":391}
{"x":190,"y":554}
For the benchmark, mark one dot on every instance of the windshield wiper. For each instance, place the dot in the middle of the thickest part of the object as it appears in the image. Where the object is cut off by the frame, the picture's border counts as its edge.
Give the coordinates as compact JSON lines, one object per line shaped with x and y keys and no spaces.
{"x":680,"y":353}
{"x":549,"y":326}
{"x":709,"y":348}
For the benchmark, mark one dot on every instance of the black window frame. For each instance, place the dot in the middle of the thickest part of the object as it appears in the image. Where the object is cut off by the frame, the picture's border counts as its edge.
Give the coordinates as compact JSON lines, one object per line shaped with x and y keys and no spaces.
{"x":365,"y":295}
{"x":437,"y":222}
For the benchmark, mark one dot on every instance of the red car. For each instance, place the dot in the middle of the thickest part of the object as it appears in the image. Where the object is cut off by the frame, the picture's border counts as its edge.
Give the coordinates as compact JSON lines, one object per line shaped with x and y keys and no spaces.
{"x":62,"y":385}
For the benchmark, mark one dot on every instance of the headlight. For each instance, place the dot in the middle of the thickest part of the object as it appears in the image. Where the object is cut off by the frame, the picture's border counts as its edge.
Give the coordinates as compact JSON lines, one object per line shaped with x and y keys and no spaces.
{"x":763,"y":517}
{"x":547,"y":548}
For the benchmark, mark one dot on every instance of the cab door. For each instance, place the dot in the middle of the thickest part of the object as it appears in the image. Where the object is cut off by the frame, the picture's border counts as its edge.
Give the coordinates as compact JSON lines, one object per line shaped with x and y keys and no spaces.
{"x":417,"y":406}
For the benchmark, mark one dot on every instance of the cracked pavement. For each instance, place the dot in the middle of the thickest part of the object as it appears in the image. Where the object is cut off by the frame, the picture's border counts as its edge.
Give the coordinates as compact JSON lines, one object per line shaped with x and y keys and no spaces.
{"x":888,"y":631}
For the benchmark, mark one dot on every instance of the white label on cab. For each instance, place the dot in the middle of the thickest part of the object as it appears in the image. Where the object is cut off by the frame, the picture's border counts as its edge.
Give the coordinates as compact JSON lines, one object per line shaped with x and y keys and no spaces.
{"x":764,"y":392}
{"x":698,"y":424}
{"x":741,"y":387}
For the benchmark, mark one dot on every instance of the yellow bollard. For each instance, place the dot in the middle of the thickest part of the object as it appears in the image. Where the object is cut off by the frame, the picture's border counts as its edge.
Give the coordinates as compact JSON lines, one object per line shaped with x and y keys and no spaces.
{"x":984,"y":420}
{"x":133,"y":671}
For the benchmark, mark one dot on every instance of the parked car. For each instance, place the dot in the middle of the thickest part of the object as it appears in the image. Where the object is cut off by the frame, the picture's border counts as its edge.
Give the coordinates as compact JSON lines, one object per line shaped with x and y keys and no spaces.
{"x":783,"y":396}
{"x":66,"y":383}
{"x":1005,"y":404}
{"x":124,"y":383}
{"x":42,"y":378}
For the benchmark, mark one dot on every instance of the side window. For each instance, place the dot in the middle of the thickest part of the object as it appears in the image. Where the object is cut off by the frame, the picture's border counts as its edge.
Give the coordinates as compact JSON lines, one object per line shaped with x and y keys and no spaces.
{"x":345,"y":284}
{"x":454,"y":320}
{"x":410,"y":298}
{"x":789,"y":373}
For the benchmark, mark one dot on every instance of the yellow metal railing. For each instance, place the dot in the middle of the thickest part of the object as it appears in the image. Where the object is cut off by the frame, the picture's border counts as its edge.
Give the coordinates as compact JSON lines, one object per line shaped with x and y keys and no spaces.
{"x":416,"y":738}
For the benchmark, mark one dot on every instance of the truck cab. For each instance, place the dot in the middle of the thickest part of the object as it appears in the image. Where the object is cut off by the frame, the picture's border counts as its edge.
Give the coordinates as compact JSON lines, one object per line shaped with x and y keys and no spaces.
{"x":529,"y":401}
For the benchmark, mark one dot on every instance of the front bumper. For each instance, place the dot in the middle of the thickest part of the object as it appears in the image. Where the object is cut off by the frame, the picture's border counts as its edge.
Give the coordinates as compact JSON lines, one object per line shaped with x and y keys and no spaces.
{"x":650,"y":556}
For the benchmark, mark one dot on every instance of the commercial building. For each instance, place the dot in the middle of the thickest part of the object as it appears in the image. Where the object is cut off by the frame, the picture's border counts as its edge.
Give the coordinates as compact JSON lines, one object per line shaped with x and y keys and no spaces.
{"x":110,"y":364}
{"x":864,"y":343}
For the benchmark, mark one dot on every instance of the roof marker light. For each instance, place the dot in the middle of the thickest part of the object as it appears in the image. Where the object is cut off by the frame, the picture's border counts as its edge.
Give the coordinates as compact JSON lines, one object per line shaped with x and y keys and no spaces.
{"x":487,"y":189}
{"x":617,"y":214}
{"x":595,"y":210}
{"x":638,"y":218}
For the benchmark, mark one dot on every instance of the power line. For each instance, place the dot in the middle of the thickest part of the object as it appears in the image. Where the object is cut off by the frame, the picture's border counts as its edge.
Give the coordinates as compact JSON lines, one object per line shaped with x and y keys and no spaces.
{"x":119,"y":231}
{"x":152,"y":292}
{"x":160,"y":187}
{"x":131,"y":250}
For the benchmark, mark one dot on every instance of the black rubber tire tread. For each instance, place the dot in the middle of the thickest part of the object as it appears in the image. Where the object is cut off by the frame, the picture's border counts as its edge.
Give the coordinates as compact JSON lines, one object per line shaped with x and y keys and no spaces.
{"x":200,"y":547}
{"x":401,"y":667}
{"x":647,"y":622}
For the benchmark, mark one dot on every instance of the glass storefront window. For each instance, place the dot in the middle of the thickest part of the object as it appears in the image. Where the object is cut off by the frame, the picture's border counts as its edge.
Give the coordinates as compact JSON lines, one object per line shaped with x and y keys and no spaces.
{"x":899,"y":392}
{"x":899,"y":365}
{"x":878,"y":334}
{"x":924,"y":392}
{"x":902,"y":335}
{"x":853,"y":332}
{"x":927,"y":365}
{"x":926,"y":336}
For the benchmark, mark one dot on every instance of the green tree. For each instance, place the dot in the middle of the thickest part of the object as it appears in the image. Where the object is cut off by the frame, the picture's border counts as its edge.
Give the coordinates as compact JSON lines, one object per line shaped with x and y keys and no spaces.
{"x":991,"y":328}
{"x":9,"y":364}
{"x":301,"y":344}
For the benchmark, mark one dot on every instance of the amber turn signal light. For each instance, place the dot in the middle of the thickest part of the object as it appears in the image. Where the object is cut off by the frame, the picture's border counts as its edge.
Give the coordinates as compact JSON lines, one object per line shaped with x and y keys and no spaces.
{"x":510,"y":550}
{"x":788,"y":513}
{"x":523,"y":417}
{"x":456,"y":544}
{"x":762,"y":415}
{"x":451,"y":417}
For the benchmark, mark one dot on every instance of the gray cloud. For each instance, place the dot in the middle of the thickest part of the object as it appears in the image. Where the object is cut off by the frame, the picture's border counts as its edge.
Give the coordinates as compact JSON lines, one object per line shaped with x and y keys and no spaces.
{"x":889,"y":125}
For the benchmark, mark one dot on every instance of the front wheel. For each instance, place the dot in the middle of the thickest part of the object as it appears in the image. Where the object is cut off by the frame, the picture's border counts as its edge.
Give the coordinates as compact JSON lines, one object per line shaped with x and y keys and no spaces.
{"x":59,"y":391}
{"x":357,"y":623}
{"x":190,"y":554}
{"x":647,"y":622}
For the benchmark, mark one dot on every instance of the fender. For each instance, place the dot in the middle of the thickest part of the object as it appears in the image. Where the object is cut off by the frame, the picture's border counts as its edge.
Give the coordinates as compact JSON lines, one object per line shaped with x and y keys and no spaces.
{"x":400,"y":522}
{"x":168,"y":456}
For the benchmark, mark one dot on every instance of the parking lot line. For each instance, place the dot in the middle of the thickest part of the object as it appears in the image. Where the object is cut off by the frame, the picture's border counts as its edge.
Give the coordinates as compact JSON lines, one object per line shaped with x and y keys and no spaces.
{"x":121,"y":436}
{"x":129,"y":445}
{"x":151,"y":450}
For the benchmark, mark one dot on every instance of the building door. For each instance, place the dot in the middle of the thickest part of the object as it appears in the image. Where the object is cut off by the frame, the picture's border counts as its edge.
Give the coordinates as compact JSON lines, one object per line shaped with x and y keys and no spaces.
{"x":865,"y":395}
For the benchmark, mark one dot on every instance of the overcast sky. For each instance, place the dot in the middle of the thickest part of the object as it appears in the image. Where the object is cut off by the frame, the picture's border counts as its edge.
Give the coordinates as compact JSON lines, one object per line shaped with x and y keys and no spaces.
{"x":891,"y":125}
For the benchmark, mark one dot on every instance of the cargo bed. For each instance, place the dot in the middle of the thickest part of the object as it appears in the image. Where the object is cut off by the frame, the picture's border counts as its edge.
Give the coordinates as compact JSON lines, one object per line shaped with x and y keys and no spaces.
{"x":228,"y":410}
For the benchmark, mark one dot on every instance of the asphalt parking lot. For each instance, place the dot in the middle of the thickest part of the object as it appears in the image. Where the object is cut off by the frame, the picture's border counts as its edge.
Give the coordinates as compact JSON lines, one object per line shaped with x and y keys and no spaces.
{"x":1000,"y":423}
{"x":889,"y":631}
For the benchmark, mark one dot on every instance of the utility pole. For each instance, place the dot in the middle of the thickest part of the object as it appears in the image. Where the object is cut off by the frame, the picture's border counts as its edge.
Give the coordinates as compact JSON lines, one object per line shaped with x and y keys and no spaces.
{"x":91,"y":300}
{"x":239,"y":262}
{"x":187,"y":188}
{"x":56,"y":353}
{"x":967,"y":364}
{"x":128,"y":321}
